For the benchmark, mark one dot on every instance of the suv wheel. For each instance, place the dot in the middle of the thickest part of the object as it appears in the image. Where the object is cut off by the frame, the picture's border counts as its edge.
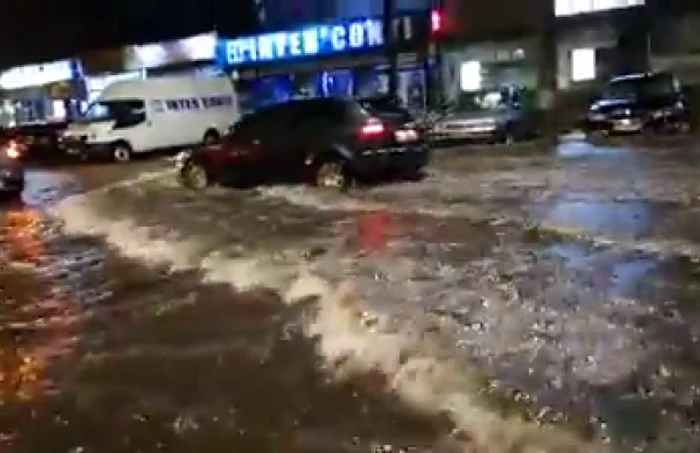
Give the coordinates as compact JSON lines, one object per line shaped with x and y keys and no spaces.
{"x":194,"y":177}
{"x":332,"y":174}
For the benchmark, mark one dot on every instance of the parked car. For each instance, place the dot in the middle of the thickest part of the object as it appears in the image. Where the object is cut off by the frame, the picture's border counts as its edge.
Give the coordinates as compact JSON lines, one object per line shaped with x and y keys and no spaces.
{"x":633,"y":103}
{"x":11,"y":167}
{"x":40,"y":141}
{"x":499,"y":115}
{"x":327,"y":142}
{"x":143,"y":115}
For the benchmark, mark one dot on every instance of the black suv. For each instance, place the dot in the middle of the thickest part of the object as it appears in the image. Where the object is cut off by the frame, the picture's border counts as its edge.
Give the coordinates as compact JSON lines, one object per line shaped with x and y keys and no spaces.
{"x":634,"y":103}
{"x":328,"y":142}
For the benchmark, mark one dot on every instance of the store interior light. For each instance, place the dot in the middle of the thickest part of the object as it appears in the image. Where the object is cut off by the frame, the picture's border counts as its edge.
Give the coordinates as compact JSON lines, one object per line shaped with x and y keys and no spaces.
{"x":470,"y":78}
{"x":200,"y":47}
{"x":150,"y":55}
{"x":583,"y":64}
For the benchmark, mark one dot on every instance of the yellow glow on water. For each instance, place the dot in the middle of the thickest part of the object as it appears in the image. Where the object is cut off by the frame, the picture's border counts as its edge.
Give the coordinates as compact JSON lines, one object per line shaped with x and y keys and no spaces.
{"x":40,"y":324}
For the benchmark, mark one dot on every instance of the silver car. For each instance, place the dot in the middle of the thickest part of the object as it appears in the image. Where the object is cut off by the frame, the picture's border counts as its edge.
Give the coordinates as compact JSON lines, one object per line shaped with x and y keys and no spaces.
{"x":493,"y":116}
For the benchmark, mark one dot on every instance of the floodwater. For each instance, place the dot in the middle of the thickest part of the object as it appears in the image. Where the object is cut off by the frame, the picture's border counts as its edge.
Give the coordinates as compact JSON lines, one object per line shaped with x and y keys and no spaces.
{"x":544,"y":302}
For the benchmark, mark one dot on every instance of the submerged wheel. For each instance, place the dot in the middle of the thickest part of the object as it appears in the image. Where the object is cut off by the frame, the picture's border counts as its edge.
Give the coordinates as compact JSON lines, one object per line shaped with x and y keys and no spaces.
{"x":211,"y":137}
{"x":332,"y":174}
{"x":121,"y":152}
{"x":194,"y":177}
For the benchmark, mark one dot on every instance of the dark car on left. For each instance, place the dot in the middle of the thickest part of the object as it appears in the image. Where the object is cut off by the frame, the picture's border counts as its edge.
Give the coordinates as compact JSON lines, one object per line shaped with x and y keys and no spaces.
{"x":40,"y":141}
{"x":11,"y":166}
{"x":327,"y":142}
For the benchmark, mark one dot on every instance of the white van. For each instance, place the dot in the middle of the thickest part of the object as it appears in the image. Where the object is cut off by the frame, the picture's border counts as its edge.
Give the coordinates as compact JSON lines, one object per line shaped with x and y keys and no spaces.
{"x":136,"y":116}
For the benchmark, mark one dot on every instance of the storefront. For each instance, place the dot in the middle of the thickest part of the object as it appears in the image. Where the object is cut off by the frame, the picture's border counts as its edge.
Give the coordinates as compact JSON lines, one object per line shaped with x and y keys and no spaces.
{"x":95,"y":84}
{"x":596,"y":40}
{"x":339,"y":59}
{"x":191,"y":55}
{"x":41,"y":92}
{"x":487,"y":65}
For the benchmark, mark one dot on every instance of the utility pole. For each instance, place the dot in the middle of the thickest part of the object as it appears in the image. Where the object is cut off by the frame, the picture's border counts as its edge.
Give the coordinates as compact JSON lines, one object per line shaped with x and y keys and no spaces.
{"x":547,"y":67}
{"x":392,"y":54}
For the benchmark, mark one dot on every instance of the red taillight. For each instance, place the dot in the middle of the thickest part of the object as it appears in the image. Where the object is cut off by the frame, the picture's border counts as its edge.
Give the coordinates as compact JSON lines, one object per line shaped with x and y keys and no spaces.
{"x":435,"y":21}
{"x":13,"y":150}
{"x":372,"y":129}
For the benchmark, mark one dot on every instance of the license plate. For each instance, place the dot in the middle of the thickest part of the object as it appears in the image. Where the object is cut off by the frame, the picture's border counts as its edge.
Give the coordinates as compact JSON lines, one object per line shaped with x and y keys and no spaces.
{"x":72,"y":151}
{"x":406,"y":136}
{"x":627,"y":125}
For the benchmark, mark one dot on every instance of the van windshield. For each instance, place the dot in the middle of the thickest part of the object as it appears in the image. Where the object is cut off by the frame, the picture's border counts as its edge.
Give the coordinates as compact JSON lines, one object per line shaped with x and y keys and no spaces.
{"x":122,"y":112}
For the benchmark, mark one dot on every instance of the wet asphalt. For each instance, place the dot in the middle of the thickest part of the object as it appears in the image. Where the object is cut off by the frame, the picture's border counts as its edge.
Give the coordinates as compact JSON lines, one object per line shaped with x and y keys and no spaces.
{"x":534,"y":297}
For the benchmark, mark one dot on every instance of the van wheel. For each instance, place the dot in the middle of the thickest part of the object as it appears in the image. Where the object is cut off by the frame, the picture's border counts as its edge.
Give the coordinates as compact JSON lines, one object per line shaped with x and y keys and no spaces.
{"x":121,"y":152}
{"x":211,"y":137}
{"x":332,"y":174}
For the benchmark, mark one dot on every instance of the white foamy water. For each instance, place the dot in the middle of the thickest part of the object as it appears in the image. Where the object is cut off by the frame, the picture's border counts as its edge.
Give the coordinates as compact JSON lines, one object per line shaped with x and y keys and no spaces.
{"x":477,"y":196}
{"x":440,"y":332}
{"x":389,"y":316}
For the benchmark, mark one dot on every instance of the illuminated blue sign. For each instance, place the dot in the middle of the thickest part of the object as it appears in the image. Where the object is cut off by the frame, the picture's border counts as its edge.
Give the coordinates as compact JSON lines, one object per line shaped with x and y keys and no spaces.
{"x":311,"y":41}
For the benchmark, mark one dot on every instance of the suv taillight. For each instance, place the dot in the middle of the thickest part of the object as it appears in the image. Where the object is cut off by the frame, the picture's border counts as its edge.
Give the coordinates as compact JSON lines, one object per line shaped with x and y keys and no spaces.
{"x":372,"y":129}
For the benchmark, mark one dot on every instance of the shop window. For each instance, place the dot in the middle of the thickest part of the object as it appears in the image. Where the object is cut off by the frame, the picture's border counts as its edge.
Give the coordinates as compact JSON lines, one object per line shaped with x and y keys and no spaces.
{"x":58,"y":110}
{"x":470,"y":78}
{"x":583,"y":65}
{"x":574,"y":7}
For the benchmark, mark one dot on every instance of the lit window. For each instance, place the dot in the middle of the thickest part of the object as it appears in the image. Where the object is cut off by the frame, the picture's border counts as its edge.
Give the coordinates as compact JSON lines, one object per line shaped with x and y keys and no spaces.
{"x":573,"y":7}
{"x":470,"y":76}
{"x":583,"y":65}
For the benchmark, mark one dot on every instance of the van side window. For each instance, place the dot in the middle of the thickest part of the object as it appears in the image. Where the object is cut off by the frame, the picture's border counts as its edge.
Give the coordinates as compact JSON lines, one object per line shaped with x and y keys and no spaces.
{"x":157,"y":106}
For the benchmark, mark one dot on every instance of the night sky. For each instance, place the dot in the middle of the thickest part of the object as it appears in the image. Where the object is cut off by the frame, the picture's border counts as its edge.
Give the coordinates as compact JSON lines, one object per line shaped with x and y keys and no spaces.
{"x":41,"y":30}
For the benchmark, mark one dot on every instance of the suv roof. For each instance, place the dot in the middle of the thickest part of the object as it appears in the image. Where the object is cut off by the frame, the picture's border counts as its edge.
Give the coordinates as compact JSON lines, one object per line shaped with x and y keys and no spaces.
{"x":640,"y":76}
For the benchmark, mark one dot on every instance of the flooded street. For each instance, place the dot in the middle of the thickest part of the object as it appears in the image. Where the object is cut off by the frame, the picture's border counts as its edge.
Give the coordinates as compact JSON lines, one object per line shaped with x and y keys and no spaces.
{"x":509,"y":302}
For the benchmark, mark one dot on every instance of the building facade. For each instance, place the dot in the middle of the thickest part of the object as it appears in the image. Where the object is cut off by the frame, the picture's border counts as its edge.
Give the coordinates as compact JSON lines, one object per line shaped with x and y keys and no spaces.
{"x":40,"y":92}
{"x":283,"y":14}
{"x":337,"y":58}
{"x":541,"y":43}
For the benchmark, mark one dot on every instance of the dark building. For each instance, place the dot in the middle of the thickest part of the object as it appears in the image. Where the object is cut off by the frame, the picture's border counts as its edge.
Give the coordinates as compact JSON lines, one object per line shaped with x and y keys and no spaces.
{"x":281,"y":14}
{"x":568,"y":42}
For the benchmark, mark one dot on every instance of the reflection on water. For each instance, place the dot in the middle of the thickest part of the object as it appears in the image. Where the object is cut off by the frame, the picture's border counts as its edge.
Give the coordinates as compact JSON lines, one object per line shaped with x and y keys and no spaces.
{"x":100,"y":354}
{"x":39,"y":325}
{"x":636,"y":219}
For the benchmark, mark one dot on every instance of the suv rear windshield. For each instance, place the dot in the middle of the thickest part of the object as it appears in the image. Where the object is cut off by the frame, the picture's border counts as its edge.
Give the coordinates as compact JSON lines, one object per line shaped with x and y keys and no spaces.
{"x":336,"y":109}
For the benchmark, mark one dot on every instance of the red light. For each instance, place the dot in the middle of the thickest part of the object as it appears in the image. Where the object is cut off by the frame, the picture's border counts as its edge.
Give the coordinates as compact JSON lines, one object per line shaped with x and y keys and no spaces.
{"x":435,"y":21}
{"x":372,"y":129}
{"x":13,"y":151}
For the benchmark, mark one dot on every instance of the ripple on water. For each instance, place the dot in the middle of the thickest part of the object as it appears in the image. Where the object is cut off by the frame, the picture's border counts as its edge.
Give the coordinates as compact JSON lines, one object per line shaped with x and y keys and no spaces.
{"x":99,"y":352}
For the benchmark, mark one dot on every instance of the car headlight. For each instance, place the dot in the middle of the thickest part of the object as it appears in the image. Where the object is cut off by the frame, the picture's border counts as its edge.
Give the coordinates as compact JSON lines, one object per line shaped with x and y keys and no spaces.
{"x":661,"y":113}
{"x":13,"y":150}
